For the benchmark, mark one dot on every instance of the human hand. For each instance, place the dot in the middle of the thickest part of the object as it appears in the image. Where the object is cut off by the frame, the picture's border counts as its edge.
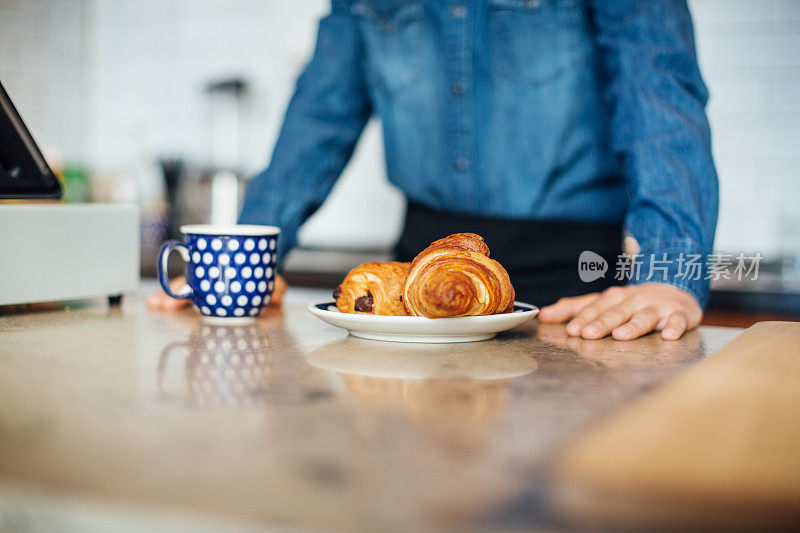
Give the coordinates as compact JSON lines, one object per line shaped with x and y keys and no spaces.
{"x":159,"y":301}
{"x":627,"y":312}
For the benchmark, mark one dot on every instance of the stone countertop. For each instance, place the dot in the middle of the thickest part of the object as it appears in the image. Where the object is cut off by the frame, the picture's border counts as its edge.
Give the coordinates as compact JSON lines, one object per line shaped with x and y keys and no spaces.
{"x":122,"y":417}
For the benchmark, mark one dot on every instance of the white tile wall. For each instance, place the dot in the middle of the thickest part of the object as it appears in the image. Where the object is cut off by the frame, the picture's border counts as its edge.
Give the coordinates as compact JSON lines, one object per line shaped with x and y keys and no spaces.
{"x":748,"y":52}
{"x":151,"y":60}
{"x":42,"y":66}
{"x":120,"y":81}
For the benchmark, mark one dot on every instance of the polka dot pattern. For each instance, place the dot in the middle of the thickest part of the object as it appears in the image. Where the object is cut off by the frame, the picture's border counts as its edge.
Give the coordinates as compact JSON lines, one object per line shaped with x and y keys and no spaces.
{"x":231,"y":276}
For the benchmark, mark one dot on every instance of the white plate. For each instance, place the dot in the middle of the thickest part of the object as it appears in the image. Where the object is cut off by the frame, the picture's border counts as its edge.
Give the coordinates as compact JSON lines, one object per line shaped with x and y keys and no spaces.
{"x":421,"y":329}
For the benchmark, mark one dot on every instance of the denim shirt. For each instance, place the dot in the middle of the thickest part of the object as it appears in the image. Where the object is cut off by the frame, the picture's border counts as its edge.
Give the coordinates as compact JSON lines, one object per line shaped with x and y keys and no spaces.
{"x":573,"y":110}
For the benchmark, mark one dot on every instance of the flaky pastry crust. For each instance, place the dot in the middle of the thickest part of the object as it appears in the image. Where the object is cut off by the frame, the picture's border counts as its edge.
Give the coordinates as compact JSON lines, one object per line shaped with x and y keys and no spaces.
{"x":373,"y":288}
{"x":455,"y":276}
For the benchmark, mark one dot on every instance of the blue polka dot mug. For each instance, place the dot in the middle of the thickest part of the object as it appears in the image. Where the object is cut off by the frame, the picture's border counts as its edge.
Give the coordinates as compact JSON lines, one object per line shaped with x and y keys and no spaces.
{"x":230,"y":270}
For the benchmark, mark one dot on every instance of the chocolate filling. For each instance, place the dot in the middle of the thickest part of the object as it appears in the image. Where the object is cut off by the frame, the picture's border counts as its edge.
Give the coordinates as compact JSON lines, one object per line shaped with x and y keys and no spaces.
{"x":364,"y":303}
{"x":337,"y":292}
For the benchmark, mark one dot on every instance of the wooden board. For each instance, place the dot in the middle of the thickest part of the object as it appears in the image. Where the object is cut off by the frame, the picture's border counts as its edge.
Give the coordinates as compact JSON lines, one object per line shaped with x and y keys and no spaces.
{"x":718,"y":445}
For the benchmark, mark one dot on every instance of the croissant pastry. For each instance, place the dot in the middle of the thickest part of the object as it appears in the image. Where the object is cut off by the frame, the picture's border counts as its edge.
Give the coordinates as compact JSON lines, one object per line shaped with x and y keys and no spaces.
{"x":375,"y":288}
{"x":454,"y":276}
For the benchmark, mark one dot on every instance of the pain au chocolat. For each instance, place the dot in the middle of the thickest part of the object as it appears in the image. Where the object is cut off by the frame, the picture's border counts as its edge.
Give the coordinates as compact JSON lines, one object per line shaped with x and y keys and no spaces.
{"x":373,"y":288}
{"x":452,"y":277}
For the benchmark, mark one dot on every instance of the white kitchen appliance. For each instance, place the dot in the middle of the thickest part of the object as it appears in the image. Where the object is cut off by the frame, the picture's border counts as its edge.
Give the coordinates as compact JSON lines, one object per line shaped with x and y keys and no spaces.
{"x":51,"y":251}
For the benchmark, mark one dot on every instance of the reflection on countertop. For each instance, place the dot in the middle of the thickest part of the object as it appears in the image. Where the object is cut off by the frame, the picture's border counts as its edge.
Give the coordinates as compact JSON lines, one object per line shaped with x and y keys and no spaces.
{"x":238,"y":366}
{"x":290,"y":423}
{"x":455,"y":395}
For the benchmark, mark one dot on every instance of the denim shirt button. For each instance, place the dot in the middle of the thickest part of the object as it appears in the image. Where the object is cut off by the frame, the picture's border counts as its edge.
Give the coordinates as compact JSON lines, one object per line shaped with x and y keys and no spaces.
{"x":462,"y":163}
{"x":458,"y":88}
{"x":458,"y":12}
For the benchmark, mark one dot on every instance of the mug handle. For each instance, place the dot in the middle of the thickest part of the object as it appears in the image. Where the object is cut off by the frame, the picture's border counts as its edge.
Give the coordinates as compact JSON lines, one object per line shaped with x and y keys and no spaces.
{"x":163,"y":274}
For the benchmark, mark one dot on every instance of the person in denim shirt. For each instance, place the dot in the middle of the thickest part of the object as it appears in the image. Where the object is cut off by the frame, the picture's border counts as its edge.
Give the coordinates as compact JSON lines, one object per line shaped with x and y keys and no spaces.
{"x":547,"y":126}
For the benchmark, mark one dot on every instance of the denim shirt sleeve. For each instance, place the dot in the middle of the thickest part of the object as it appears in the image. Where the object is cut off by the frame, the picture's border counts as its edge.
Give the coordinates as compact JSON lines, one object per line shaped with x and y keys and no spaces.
{"x":323,"y":121}
{"x":659,"y":129}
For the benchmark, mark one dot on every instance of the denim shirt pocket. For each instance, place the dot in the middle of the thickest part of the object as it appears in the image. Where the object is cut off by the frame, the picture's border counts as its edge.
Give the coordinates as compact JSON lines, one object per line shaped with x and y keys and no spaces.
{"x":533,"y":41}
{"x":392,"y":41}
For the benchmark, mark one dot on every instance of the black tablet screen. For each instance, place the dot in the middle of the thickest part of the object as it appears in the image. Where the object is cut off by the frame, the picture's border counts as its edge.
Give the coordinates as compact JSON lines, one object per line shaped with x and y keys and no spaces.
{"x":24,"y":173}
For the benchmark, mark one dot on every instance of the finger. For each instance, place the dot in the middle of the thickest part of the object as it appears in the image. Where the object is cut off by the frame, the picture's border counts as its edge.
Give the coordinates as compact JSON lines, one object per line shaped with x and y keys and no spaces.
{"x":608,"y":299}
{"x":565,"y":308}
{"x":160,"y":301}
{"x":153,"y":301}
{"x":609,"y":320}
{"x":675,"y":327}
{"x":280,"y":289}
{"x":171,"y":304}
{"x":641,"y":323}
